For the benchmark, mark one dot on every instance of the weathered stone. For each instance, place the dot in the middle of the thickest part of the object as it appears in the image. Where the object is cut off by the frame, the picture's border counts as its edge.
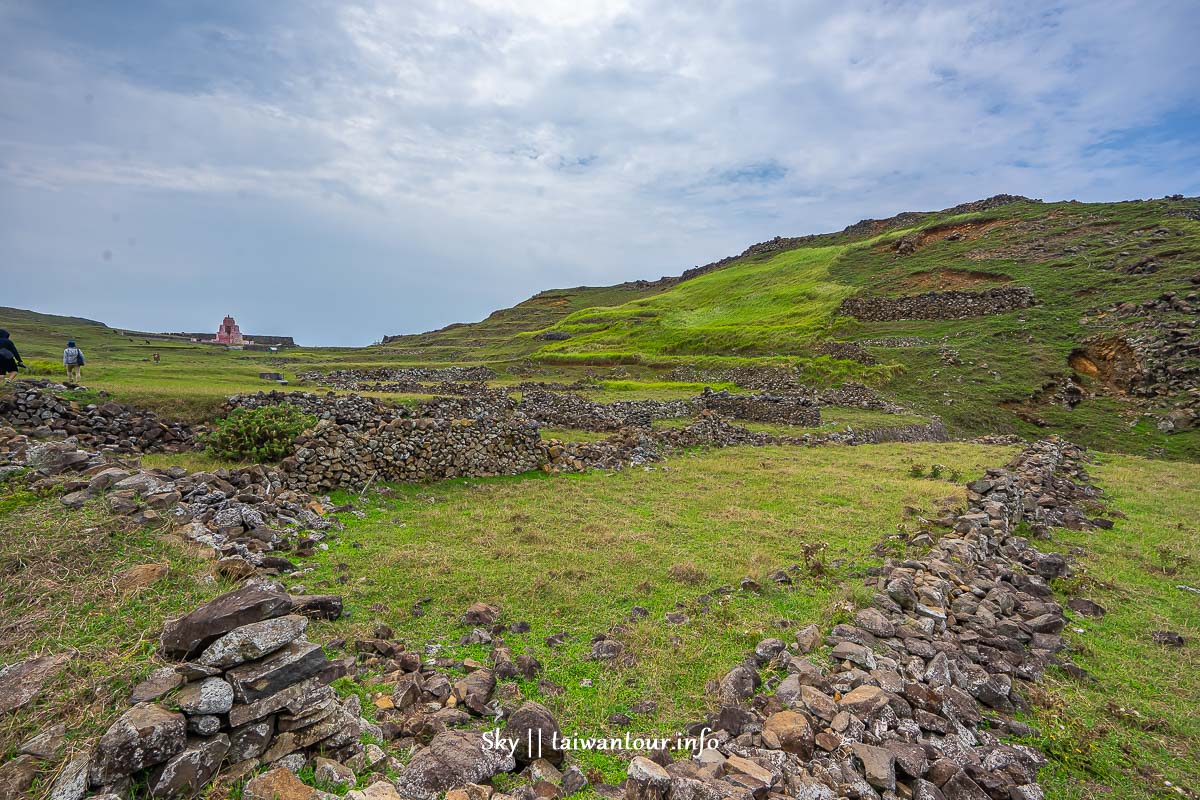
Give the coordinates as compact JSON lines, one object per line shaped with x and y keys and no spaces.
{"x":17,"y":777}
{"x":72,"y":781}
{"x":534,"y":729}
{"x":187,"y":772}
{"x":23,"y":681}
{"x":475,"y":690}
{"x":909,"y":757}
{"x":250,"y":741}
{"x":278,"y":784}
{"x":209,"y":696}
{"x":854,"y":653}
{"x":768,"y":649}
{"x":808,"y":638}
{"x":646,"y":780}
{"x":189,"y":634}
{"x":380,"y":790}
{"x":879,"y":765}
{"x":874,"y":622}
{"x":738,"y":684}
{"x":818,"y":703}
{"x":253,"y":641}
{"x":328,"y":772}
{"x":864,"y":700}
{"x":749,"y":775}
{"x":452,"y":759}
{"x":790,"y":731}
{"x":317,"y":606}
{"x":145,"y":735}
{"x":45,"y":744}
{"x":296,"y":700}
{"x":157,"y":684}
{"x":287,"y":666}
{"x":481,"y":614}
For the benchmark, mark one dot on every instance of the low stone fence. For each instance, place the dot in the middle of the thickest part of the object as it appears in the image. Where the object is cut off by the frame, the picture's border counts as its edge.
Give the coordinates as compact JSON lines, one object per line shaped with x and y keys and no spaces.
{"x":35,"y":406}
{"x":787,"y":409}
{"x":918,"y":690}
{"x":939,"y":305}
{"x":574,"y":411}
{"x":416,"y":449}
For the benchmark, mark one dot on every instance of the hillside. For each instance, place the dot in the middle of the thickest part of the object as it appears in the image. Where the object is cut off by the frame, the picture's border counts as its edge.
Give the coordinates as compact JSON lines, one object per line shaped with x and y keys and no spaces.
{"x":1107,"y":351}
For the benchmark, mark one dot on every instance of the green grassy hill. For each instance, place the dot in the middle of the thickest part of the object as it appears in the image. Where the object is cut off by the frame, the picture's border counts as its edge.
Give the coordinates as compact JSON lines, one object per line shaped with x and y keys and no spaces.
{"x":1067,"y":364}
{"x":996,"y":373}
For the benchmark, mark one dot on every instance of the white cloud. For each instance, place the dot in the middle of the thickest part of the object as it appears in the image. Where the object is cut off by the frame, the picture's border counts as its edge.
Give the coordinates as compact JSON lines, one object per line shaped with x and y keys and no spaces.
{"x":571,"y":142}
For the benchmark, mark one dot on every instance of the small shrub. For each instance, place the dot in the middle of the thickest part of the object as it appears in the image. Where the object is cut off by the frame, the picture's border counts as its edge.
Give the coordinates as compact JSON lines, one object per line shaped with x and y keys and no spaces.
{"x":916,"y":471}
{"x":259,"y":434}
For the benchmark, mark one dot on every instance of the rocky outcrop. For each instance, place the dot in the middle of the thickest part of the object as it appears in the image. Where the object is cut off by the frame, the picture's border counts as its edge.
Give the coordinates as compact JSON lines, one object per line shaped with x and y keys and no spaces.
{"x":939,"y":305}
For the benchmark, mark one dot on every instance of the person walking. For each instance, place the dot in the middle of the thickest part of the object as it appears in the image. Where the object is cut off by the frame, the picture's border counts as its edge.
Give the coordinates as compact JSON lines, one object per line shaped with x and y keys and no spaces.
{"x":9,"y":357}
{"x":73,"y":361}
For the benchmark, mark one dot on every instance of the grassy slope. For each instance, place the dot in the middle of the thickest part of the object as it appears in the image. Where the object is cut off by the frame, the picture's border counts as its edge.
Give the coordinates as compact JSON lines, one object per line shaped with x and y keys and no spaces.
{"x":776,"y":308}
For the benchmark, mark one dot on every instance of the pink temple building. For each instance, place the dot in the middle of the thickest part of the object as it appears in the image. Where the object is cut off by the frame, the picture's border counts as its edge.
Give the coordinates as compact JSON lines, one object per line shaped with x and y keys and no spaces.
{"x":230,"y":333}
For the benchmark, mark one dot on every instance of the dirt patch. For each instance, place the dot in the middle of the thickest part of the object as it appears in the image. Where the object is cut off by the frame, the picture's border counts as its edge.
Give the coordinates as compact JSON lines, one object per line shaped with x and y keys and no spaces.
{"x":1110,"y":361}
{"x":945,"y":279}
{"x":955,"y":232}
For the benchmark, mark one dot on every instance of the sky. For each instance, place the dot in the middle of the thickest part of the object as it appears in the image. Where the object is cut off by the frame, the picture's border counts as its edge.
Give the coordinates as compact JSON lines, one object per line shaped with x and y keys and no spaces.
{"x":340,"y":171}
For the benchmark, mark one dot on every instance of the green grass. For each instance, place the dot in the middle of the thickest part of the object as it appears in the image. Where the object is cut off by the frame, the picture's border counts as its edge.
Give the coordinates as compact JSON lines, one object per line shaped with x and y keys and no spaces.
{"x":576,"y":553}
{"x":1138,"y":726}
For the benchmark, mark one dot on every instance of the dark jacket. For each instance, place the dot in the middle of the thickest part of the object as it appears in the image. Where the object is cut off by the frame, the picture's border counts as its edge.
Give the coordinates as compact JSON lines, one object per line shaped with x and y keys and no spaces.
{"x":9,"y":357}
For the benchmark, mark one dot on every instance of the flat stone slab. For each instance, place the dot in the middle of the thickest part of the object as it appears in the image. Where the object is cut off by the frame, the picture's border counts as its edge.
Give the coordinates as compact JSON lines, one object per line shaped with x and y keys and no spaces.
{"x":293,"y":663}
{"x":21,"y":682}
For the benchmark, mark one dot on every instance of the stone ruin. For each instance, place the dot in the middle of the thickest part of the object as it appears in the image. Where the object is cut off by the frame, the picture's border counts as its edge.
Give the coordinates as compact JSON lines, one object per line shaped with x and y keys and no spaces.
{"x":244,"y":689}
{"x":35,"y":406}
{"x":787,"y":409}
{"x":938,"y":305}
{"x":911,"y":701}
{"x":921,"y":686}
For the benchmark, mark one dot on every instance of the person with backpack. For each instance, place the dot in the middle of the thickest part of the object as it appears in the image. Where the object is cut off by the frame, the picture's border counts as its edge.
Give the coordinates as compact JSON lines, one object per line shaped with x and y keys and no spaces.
{"x":73,"y":361}
{"x":9,"y":357}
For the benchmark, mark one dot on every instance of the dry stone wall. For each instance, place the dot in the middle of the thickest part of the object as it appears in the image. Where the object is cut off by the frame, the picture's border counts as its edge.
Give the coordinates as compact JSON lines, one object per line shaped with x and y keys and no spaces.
{"x":917,"y":692}
{"x":418,"y":449}
{"x":247,"y":690}
{"x":939,"y":305}
{"x":36,"y":407}
{"x":787,"y":409}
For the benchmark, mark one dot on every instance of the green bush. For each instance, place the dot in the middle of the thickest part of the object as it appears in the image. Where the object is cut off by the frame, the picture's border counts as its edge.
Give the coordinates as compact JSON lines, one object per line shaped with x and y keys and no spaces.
{"x":259,"y":434}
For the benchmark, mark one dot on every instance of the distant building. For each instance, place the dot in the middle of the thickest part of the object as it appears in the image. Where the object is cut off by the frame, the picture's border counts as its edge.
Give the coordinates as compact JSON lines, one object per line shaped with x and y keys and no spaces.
{"x":229,"y":333}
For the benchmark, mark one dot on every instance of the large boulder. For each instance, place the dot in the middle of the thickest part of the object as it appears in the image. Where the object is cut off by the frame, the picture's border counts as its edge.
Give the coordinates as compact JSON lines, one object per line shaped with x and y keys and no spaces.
{"x":145,"y":735}
{"x":452,"y":759}
{"x":184,"y":637}
{"x":533,"y":724}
